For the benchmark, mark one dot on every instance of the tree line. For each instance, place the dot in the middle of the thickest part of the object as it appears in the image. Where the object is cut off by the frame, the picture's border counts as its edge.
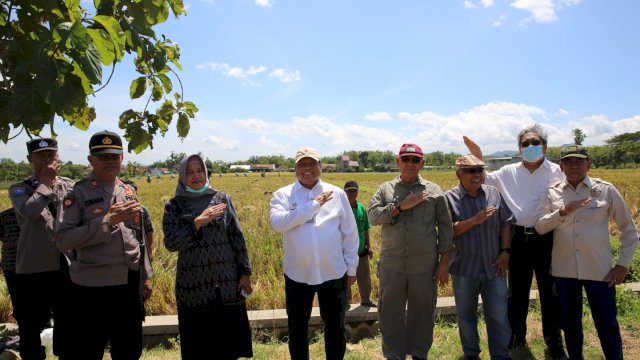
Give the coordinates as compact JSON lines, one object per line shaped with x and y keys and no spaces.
{"x":621,"y":151}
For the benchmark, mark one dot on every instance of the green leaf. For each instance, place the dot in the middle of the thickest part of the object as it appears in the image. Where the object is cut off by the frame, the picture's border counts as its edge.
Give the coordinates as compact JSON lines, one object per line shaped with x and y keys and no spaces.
{"x":90,"y":64}
{"x":183,"y":125}
{"x":190,"y":108}
{"x":138,"y":139}
{"x":61,"y":32}
{"x":116,"y":34}
{"x":138,"y":87}
{"x":156,"y":90}
{"x":79,"y":37}
{"x":166,"y":82}
{"x":177,"y":7}
{"x":126,"y":117}
{"x":104,"y":45}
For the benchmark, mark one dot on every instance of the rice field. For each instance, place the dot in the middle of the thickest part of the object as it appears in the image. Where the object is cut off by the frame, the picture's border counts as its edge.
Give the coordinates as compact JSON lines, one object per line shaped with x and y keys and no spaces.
{"x":251,"y":196}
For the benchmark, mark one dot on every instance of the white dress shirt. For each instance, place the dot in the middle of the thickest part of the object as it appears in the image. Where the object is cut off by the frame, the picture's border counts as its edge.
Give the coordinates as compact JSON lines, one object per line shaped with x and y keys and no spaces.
{"x":522,"y":189}
{"x":320,"y":242}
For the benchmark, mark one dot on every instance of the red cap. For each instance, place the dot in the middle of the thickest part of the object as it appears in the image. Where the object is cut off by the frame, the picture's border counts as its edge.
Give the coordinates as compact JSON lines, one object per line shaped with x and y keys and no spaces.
{"x":410,"y":150}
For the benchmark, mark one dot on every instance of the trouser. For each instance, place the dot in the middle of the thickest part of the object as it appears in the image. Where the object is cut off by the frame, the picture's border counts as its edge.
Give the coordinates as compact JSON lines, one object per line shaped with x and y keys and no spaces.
{"x":363,"y":277}
{"x":10,"y":280}
{"x":107,"y":313}
{"x":602,"y":301}
{"x":332,"y":298}
{"x":406,"y":308}
{"x":494,"y":304}
{"x":35,"y":297}
{"x":531,"y":253}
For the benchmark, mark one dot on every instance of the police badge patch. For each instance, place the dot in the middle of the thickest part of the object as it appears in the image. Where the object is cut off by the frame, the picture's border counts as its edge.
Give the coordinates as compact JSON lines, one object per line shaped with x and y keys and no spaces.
{"x":595,"y":192}
{"x":68,"y":202}
{"x":18,"y":190}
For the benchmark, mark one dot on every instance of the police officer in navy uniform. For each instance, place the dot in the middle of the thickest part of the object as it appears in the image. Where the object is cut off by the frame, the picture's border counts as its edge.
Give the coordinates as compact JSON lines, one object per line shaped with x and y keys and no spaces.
{"x":98,"y":221}
{"x":41,"y":270}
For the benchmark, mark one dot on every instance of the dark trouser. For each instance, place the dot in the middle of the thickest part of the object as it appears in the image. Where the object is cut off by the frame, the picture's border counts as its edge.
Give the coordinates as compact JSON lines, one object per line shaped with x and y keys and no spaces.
{"x":10,"y":279}
{"x":532,"y":253}
{"x":332,"y":300}
{"x":227,"y":335}
{"x":602,"y":301}
{"x":107,"y":313}
{"x":35,"y":298}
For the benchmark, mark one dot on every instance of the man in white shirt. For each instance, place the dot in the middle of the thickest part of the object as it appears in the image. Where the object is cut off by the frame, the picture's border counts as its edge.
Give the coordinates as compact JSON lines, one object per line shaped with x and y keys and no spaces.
{"x":578,"y":210}
{"x":320,"y":238}
{"x":521,"y":185}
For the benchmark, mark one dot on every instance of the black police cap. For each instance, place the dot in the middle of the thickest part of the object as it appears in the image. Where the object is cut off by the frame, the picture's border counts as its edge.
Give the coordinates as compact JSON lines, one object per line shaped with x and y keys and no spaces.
{"x":36,"y":145}
{"x":105,"y":142}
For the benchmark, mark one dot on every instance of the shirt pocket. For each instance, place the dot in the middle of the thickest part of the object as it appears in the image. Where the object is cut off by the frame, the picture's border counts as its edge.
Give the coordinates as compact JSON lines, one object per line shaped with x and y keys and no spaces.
{"x":596,"y":209}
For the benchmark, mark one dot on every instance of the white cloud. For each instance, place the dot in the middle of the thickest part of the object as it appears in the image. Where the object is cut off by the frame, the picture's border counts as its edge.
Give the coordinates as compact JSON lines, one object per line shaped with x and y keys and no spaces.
{"x":252,"y":124}
{"x":542,"y":11}
{"x":486,"y":3}
{"x":272,"y":145}
{"x":469,"y":5}
{"x":378,"y":116}
{"x":222,"y":143}
{"x":285,"y":75}
{"x":562,"y":112}
{"x":264,"y":3}
{"x":233,"y":71}
{"x":498,"y":22}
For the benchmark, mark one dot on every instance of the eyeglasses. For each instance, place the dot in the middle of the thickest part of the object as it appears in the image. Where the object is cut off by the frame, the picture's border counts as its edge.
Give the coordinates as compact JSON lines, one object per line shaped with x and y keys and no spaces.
{"x":526,"y":143}
{"x":473,"y":170}
{"x":413,"y":159}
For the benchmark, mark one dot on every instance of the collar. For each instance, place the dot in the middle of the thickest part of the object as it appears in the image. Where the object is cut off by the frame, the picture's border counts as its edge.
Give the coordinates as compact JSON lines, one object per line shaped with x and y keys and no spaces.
{"x":586,"y":182}
{"x":297,"y":186}
{"x":463,"y":192}
{"x":545,"y":164}
{"x":95,"y":183}
{"x":419,"y":181}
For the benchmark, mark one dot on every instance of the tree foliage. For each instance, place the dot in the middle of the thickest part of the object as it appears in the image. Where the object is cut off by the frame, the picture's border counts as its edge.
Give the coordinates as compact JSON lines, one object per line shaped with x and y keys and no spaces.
{"x":578,"y":136}
{"x":52,"y":55}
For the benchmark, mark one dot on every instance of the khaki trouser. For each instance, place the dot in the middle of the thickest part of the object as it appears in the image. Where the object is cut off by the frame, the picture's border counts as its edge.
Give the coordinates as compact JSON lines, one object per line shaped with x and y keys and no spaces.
{"x":407,"y":332}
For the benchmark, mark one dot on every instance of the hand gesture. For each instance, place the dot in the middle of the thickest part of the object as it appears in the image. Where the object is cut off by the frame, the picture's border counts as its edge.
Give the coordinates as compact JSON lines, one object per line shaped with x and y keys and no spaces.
{"x":474,"y":149}
{"x":209,"y":214}
{"x":573,"y":206}
{"x":49,"y":172}
{"x":483,"y":215}
{"x":413,"y":199}
{"x":123,"y":211}
{"x":148,"y":289}
{"x":324,"y":197}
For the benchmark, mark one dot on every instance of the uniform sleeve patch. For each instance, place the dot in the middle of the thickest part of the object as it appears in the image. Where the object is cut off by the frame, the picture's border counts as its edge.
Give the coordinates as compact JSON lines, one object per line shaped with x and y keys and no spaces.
{"x":68,"y":202}
{"x":18,"y":190}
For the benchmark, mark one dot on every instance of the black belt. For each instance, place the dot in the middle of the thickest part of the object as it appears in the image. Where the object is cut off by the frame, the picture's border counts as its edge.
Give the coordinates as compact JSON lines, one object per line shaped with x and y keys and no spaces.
{"x":525,"y":230}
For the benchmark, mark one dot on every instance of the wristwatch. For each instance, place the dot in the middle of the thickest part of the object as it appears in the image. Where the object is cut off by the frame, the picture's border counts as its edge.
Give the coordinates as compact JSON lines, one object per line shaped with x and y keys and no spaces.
{"x":507,"y":250}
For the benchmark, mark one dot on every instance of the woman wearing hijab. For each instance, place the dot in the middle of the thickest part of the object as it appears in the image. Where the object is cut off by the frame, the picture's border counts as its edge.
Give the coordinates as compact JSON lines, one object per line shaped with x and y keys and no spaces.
{"x":214,"y":273}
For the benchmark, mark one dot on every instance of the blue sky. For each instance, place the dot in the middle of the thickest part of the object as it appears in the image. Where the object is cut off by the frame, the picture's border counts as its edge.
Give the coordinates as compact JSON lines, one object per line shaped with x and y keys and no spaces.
{"x":271,"y":76}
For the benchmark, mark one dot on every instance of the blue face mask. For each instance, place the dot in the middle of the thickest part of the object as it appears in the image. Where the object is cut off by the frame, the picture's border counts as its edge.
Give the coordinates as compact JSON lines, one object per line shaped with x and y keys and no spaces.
{"x":532,"y":153}
{"x":197,"y":191}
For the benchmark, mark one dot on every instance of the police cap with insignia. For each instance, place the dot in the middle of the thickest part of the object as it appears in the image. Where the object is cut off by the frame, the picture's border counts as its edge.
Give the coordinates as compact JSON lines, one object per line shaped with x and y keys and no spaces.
{"x":36,"y":145}
{"x":105,"y":142}
{"x":576,"y":151}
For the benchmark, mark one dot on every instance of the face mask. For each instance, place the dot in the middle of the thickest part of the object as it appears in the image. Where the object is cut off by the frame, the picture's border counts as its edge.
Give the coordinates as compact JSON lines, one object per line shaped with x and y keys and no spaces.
{"x":201,"y":190}
{"x":532,"y":153}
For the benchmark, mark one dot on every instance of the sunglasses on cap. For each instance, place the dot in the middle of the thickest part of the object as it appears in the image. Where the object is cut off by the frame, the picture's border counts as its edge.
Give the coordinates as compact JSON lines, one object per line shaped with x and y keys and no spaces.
{"x":413,"y":159}
{"x":526,"y":143}
{"x":477,"y":170}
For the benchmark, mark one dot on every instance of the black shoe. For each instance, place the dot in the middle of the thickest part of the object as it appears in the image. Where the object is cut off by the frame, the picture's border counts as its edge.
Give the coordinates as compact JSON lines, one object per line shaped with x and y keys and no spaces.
{"x":472,"y":357}
{"x":368,"y":304}
{"x":413,"y":357}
